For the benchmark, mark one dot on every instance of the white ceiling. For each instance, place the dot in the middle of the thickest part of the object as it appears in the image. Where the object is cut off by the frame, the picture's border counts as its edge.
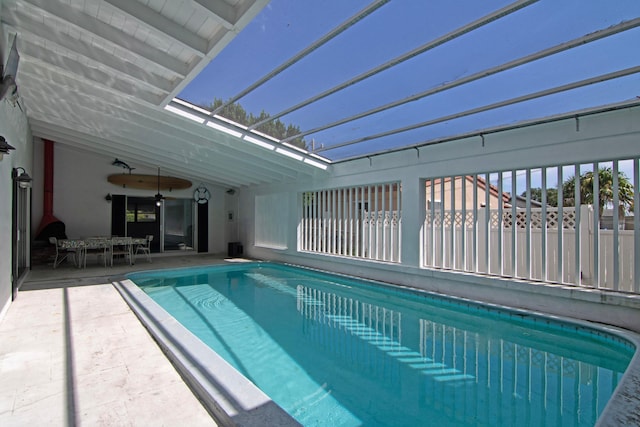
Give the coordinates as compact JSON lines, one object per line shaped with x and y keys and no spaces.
{"x":98,"y":75}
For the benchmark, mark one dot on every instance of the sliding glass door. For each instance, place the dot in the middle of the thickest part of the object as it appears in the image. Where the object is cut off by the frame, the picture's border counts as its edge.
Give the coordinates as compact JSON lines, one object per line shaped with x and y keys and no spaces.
{"x":178,"y":224}
{"x":21,"y":220}
{"x":172,"y":224}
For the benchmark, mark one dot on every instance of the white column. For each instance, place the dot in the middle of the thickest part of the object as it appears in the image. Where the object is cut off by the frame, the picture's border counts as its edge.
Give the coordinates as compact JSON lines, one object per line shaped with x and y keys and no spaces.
{"x":413,"y":215}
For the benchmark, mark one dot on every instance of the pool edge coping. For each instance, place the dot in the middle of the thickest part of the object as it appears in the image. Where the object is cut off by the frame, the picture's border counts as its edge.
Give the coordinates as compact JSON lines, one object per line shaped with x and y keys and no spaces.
{"x":623,"y":407}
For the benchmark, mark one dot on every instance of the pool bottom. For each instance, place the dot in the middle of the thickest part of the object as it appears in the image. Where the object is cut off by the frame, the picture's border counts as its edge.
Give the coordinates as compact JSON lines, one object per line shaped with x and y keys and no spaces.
{"x":205,"y":372}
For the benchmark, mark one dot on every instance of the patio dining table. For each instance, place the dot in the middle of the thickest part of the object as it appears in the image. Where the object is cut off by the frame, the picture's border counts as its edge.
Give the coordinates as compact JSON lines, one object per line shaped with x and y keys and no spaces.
{"x":109,"y":246}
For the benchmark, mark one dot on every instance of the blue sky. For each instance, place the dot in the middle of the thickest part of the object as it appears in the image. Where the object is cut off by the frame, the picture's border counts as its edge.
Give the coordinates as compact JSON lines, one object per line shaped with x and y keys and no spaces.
{"x":285,"y":27}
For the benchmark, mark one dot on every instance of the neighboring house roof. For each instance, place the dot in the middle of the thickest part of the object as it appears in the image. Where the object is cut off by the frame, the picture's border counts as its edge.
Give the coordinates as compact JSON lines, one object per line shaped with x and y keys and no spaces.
{"x":521,"y":202}
{"x":481,"y":183}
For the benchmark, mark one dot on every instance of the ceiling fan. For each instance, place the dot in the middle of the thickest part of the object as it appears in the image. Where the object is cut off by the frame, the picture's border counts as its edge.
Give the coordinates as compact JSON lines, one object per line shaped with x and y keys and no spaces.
{"x":159,"y":197}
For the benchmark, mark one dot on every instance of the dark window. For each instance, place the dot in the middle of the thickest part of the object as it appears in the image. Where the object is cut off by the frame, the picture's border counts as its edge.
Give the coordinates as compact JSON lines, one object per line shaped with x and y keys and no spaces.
{"x":141,"y":211}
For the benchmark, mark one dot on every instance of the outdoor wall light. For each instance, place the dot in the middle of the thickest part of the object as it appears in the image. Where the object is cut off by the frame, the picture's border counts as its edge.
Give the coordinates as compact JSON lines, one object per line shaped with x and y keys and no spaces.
{"x":108,"y":198}
{"x":4,"y":147}
{"x":23,"y":179}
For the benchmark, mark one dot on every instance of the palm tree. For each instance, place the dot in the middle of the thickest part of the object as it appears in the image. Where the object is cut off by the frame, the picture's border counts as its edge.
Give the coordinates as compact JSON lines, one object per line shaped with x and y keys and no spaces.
{"x":605,"y":190}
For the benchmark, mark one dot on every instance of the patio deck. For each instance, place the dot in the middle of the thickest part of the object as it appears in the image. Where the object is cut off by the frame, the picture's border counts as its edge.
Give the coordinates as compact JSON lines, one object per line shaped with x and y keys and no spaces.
{"x":73,"y":353}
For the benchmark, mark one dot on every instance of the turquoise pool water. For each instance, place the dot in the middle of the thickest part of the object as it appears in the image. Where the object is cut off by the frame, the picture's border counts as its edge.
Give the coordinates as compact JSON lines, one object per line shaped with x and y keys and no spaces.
{"x":337,"y":351}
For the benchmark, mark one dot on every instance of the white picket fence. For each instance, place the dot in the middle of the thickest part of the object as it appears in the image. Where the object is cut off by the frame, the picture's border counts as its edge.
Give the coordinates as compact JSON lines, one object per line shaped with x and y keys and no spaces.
{"x":487,"y":247}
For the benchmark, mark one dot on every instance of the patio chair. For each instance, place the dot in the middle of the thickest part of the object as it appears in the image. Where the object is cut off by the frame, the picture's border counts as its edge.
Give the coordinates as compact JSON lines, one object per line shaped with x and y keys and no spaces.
{"x":145,"y":247}
{"x":62,"y":254}
{"x":121,"y":246}
{"x":97,"y":246}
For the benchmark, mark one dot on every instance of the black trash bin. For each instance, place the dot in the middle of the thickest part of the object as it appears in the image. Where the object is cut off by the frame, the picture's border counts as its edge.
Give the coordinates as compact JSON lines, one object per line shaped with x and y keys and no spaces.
{"x":235,"y":249}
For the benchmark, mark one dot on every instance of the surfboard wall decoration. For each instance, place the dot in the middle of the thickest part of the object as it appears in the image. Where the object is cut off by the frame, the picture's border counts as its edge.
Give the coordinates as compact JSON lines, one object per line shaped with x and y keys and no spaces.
{"x":148,"y":182}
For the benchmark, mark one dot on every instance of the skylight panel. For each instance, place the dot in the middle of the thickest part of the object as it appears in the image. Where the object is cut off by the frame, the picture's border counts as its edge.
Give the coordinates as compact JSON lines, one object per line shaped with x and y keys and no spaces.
{"x":342,"y":93}
{"x":532,"y":78}
{"x":281,"y":30}
{"x":603,"y":94}
{"x":395,"y":28}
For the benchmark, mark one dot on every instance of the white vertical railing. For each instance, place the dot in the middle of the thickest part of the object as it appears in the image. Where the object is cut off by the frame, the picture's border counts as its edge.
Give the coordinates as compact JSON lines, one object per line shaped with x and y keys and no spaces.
{"x":636,"y":225}
{"x":362,"y":222}
{"x":475,"y":222}
{"x":616,"y":227}
{"x":323,"y":226}
{"x":499,"y":228}
{"x":369,"y":225}
{"x":432,"y":224}
{"x":452,"y":228}
{"x":441,"y":250}
{"x":463,"y":237}
{"x":514,"y":214}
{"x":383,"y":197}
{"x":500,"y":225}
{"x":559,"y":263}
{"x":596,"y":227}
{"x":487,"y":225}
{"x":527,"y":227}
{"x":398,"y":219}
{"x":576,"y":245}
{"x":543,"y":237}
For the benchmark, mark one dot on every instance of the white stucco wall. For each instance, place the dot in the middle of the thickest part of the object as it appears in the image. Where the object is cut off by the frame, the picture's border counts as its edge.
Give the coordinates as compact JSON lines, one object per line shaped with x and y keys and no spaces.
{"x":610,"y":135}
{"x":14,"y":127}
{"x":80,"y":186}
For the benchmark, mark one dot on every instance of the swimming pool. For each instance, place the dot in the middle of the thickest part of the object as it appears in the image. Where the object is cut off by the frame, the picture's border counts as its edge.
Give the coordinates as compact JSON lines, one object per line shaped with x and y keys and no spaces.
{"x":333,"y":350}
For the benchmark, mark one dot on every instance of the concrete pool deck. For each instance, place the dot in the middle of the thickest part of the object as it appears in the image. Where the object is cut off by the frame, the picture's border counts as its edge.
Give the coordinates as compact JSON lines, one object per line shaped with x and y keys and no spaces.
{"x":73,"y":353}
